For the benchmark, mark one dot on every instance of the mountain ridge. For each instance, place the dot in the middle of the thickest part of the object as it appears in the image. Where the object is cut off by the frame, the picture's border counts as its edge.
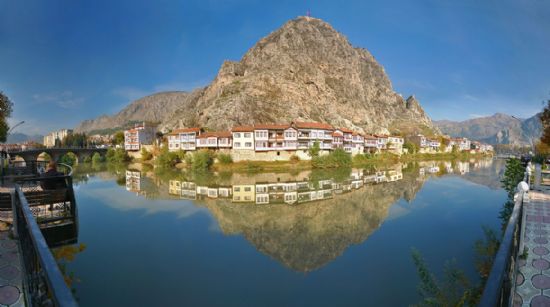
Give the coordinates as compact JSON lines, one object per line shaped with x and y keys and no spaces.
{"x":305,"y":70}
{"x":498,"y":128}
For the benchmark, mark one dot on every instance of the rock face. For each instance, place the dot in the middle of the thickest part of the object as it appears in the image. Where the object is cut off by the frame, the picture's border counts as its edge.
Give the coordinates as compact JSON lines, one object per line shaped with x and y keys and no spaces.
{"x":497,"y":129}
{"x":304,"y":71}
{"x":154,"y":108}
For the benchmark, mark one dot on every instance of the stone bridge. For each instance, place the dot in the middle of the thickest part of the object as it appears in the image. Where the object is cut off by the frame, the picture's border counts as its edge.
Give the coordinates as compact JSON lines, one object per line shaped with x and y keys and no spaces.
{"x":57,"y":153}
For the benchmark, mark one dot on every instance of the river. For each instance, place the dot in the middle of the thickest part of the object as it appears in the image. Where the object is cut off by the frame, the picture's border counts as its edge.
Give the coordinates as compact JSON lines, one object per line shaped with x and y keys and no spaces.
{"x":317,"y":238}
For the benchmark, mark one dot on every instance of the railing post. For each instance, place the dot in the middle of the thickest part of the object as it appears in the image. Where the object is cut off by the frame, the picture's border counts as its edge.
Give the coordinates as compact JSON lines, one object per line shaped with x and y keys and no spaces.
{"x":14,"y":213}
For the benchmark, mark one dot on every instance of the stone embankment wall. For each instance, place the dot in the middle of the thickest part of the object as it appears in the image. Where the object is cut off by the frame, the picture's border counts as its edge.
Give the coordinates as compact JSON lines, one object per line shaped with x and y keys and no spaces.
{"x":281,"y":155}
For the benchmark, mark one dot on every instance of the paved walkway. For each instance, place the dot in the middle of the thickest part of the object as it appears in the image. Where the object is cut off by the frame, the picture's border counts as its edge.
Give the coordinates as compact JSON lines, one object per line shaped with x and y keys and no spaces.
{"x":10,"y":272}
{"x":533,"y":278}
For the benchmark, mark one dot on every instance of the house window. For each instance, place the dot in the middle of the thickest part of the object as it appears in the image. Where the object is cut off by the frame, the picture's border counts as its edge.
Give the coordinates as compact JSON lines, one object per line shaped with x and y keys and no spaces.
{"x":247,"y":189}
{"x":248,"y":144}
{"x":247,"y":135}
{"x":237,"y":144}
{"x":236,"y":189}
{"x":236,"y":135}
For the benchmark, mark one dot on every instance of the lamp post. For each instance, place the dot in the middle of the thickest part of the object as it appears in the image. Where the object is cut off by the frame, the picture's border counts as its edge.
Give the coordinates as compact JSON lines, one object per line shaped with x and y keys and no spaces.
{"x":16,"y":125}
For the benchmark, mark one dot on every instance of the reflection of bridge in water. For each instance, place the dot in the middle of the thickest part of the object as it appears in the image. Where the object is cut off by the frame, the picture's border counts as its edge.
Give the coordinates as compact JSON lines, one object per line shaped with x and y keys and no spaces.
{"x":57,"y":153}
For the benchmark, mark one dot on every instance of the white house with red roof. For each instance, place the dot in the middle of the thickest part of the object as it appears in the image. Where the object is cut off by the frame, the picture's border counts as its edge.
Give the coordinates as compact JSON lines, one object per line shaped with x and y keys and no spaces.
{"x":183,"y":139}
{"x":141,"y":134}
{"x":311,"y":132}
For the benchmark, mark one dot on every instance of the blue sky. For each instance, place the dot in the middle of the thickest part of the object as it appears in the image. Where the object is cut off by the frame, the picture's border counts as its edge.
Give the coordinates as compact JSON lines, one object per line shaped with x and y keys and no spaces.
{"x":65,"y":61}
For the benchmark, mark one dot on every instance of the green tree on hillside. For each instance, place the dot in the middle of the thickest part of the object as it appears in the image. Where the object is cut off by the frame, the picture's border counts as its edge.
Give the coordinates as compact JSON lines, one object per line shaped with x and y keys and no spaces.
{"x":6,"y":107}
{"x":118,"y":138}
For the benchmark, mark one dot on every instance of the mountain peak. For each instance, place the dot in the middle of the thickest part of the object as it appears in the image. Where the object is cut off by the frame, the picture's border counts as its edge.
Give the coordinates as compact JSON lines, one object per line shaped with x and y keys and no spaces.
{"x":499,"y":128}
{"x":305,"y":70}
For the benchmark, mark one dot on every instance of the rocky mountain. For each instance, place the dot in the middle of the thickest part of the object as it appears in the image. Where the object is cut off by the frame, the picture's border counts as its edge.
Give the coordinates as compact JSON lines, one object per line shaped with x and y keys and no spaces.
{"x":496,"y":129}
{"x":305,"y":71}
{"x":154,"y":108}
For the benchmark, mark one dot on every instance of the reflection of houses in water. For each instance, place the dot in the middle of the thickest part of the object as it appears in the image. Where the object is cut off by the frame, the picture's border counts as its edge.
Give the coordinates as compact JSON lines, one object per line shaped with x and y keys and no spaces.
{"x":463,"y":167}
{"x":380,"y":177}
{"x":189,"y":190}
{"x":133,"y":181}
{"x":394,"y":175}
{"x":448,"y":167}
{"x":243,"y":193}
{"x":291,"y":192}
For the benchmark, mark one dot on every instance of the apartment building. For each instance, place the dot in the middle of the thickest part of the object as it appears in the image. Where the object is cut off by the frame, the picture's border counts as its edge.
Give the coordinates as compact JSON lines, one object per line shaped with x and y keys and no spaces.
{"x":141,"y":134}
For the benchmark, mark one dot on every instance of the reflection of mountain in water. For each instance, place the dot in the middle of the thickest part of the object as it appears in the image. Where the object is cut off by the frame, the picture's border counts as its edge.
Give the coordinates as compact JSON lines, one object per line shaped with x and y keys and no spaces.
{"x":486,"y":174}
{"x":308,"y":219}
{"x":308,"y":236}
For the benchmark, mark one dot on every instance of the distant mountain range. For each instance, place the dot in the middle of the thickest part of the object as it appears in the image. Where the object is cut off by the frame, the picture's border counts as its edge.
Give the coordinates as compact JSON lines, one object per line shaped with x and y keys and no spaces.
{"x":21,"y":137}
{"x":305,"y":70}
{"x":496,"y":129}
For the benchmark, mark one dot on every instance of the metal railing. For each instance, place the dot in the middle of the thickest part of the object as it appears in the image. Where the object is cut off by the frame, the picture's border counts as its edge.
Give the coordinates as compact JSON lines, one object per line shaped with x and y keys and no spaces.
{"x":44,"y":284}
{"x":499,"y":284}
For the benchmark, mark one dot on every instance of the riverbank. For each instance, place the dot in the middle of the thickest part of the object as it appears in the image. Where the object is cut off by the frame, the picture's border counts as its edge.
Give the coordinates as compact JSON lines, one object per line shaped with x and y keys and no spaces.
{"x":381,"y":160}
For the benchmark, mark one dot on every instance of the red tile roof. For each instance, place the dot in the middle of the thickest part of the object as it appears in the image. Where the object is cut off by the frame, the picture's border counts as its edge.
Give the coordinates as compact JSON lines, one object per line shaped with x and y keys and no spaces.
{"x":313,"y":125}
{"x":370,"y":137}
{"x":346,"y":130}
{"x":337,"y":133}
{"x":243,"y":129}
{"x":218,"y":134}
{"x":184,"y":130}
{"x":272,"y":126}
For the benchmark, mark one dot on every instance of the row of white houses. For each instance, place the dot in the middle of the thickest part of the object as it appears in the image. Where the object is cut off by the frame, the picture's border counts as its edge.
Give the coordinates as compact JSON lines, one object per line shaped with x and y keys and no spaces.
{"x":425,"y":144}
{"x":280,"y":141}
{"x":295,"y":136}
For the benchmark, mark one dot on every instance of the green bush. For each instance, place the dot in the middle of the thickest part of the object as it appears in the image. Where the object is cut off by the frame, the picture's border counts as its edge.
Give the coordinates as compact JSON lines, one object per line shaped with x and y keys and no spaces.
{"x":314,"y":150}
{"x":337,"y":158}
{"x":69,"y":159}
{"x":167,"y":158}
{"x":294,"y":159}
{"x":88,"y":159}
{"x":188,"y":159}
{"x":225,"y":158}
{"x":118,"y":155}
{"x":181,"y":155}
{"x":411,"y":147}
{"x":145,"y":155}
{"x":97,"y":158}
{"x":362,"y":158}
{"x":202,"y":160}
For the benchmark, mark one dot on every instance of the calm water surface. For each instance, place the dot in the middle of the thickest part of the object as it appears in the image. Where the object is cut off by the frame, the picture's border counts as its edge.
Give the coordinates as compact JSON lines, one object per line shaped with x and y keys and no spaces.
{"x":306,"y":238}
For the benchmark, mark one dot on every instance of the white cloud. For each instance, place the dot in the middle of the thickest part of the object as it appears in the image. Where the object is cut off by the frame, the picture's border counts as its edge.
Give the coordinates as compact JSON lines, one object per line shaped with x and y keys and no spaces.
{"x":65,"y":99}
{"x":477,"y":115}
